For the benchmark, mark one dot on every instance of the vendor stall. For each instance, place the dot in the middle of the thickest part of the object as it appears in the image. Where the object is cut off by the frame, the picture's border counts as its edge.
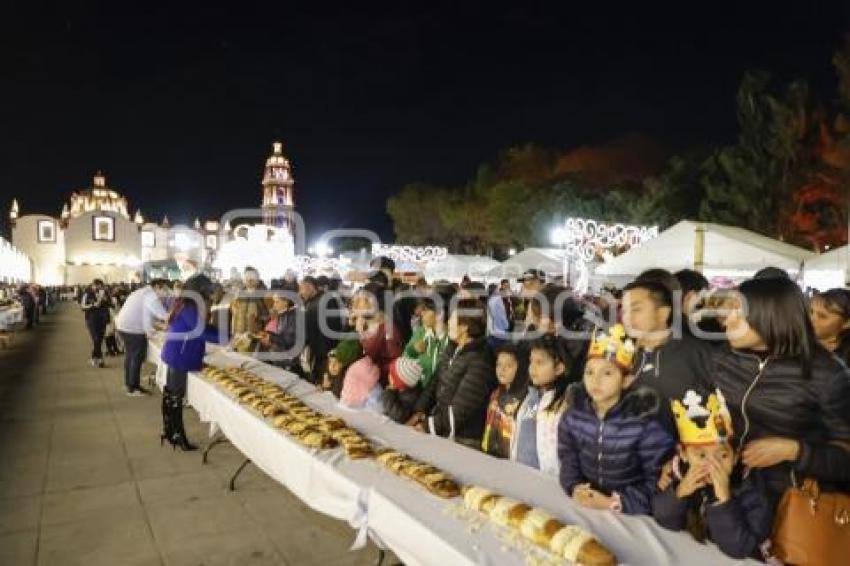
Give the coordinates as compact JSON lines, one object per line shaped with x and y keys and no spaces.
{"x":713,"y":249}
{"x":454,"y":267}
{"x":827,"y":270}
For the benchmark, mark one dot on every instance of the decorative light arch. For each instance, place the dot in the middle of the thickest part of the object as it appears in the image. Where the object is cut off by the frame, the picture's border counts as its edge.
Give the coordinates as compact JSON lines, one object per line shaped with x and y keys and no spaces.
{"x":584,"y":238}
{"x":413,"y":254}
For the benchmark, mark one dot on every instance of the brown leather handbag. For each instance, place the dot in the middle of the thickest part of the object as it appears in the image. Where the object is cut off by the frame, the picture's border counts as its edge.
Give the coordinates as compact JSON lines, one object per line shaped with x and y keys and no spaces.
{"x":812,"y":528}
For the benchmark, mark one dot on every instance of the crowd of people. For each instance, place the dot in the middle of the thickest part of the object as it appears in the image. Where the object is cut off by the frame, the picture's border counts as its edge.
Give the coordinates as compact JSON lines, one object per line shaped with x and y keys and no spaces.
{"x":665,"y":398}
{"x":35,"y":300}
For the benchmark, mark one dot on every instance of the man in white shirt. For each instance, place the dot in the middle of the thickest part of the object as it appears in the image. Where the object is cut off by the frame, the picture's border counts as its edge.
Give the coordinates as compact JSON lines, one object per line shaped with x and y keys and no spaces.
{"x":135,"y":322}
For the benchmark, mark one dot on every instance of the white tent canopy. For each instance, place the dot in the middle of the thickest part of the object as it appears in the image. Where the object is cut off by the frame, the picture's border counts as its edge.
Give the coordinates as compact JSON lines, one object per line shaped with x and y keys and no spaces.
{"x":455,"y":266}
{"x":727,"y":251}
{"x":827,"y":270}
{"x":548,"y":260}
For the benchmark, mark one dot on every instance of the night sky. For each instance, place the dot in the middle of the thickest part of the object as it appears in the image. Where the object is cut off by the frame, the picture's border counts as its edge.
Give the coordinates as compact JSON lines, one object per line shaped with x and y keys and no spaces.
{"x":179,"y":104}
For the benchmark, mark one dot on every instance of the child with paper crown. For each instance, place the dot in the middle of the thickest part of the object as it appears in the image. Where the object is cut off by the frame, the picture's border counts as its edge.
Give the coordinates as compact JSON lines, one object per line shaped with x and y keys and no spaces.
{"x":709,"y":497}
{"x":610,"y":442}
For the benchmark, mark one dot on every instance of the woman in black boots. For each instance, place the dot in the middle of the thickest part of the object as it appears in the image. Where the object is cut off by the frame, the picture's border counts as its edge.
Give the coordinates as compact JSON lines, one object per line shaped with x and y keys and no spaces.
{"x":184,"y":349}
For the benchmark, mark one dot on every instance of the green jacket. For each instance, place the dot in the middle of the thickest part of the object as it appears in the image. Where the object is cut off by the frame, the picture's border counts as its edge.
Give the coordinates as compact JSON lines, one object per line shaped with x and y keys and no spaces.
{"x":434,"y":346}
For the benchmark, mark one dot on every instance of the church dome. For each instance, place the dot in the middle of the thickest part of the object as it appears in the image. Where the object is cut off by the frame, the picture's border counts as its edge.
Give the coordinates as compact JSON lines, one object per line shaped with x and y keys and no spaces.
{"x":98,"y":197}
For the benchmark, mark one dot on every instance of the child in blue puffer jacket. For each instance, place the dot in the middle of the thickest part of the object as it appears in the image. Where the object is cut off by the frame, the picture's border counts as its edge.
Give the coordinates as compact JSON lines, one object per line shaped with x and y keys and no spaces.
{"x":610,"y":444}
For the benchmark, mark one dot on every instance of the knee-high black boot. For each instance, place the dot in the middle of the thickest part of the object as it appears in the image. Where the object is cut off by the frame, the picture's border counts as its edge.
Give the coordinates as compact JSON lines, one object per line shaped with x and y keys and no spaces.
{"x":178,"y":436}
{"x":167,"y":427}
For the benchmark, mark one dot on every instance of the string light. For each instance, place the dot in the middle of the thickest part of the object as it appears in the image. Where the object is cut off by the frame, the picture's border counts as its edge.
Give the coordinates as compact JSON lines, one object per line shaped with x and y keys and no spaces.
{"x":411,"y":254}
{"x":584,"y":238}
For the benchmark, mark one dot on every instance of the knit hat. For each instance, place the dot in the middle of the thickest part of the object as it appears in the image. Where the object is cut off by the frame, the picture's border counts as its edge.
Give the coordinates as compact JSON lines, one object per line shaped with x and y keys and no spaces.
{"x":360,"y":378}
{"x":404,"y":373}
{"x":347,"y":352}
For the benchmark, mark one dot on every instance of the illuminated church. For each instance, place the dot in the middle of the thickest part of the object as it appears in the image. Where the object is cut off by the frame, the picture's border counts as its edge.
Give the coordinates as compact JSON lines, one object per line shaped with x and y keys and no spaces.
{"x":95,"y":236}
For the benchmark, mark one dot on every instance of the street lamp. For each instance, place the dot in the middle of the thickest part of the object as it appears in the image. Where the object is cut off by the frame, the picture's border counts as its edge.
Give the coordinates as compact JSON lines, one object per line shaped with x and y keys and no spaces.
{"x":322,"y":249}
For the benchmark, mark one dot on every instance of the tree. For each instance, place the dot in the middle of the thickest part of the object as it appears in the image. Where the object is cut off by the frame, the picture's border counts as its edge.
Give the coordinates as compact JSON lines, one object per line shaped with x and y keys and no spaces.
{"x":416,"y":212}
{"x":674,"y":195}
{"x":747,"y":184}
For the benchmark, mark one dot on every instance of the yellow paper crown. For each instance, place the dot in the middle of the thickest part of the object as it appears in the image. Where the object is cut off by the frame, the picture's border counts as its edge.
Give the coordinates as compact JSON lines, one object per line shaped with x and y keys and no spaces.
{"x":613,"y":346}
{"x":718,"y":421}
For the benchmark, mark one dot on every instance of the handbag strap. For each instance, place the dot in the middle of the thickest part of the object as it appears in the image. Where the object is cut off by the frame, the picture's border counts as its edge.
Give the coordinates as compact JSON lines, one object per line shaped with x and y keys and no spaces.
{"x":811,"y":487}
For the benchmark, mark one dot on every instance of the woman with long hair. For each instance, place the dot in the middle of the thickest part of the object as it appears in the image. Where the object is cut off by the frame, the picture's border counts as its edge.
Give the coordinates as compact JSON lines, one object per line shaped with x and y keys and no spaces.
{"x":183,"y":351}
{"x":789,"y":398}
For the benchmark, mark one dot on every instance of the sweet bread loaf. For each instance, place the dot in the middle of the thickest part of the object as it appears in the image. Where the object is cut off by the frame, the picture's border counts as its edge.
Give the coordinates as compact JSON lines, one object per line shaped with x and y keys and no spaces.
{"x":579,"y":546}
{"x":385,"y":456}
{"x":332,"y":423}
{"x":315,"y":439}
{"x":283,"y":421}
{"x":358,"y":451}
{"x":441,"y":485}
{"x":419,"y":470}
{"x":273,"y":410}
{"x":509,"y":512}
{"x":539,"y":527}
{"x":297,"y":427}
{"x":479,"y":499}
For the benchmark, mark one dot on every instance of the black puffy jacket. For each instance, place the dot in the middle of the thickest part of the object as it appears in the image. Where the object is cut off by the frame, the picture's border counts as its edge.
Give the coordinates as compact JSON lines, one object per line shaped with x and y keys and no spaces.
{"x":774,"y":398}
{"x":460,"y":391}
{"x":672,"y":369}
{"x":399,"y":405}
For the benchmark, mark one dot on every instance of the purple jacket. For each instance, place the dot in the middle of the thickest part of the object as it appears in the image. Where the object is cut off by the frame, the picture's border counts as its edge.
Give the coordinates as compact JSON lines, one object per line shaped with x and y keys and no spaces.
{"x":182,"y":352}
{"x":621,"y":453}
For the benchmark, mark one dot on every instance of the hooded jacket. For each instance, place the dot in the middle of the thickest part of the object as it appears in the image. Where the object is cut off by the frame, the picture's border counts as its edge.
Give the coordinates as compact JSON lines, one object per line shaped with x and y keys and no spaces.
{"x":621,"y":453}
{"x":773,"y":398}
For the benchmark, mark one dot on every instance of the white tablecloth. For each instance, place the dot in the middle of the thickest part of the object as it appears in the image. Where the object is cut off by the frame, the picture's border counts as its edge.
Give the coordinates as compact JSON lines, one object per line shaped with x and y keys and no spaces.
{"x":10,"y":316}
{"x":395,"y":512}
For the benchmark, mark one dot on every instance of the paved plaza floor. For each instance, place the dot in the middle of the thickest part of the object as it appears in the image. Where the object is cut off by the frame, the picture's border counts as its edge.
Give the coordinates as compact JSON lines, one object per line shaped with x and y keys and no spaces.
{"x":83,"y":479}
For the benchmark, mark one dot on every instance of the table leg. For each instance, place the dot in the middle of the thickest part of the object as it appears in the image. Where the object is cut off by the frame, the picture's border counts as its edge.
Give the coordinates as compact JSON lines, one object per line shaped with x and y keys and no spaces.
{"x":236,"y":474}
{"x":382,"y":555}
{"x":217,"y":439}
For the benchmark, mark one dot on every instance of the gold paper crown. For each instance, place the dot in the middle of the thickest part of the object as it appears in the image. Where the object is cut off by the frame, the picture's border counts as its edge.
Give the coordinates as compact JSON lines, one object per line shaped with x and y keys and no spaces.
{"x":613,"y":346}
{"x":718,"y":423}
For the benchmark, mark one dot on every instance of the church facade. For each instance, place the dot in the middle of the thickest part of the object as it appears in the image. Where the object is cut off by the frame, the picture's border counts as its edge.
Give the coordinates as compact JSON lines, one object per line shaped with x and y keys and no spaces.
{"x":95,"y":236}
